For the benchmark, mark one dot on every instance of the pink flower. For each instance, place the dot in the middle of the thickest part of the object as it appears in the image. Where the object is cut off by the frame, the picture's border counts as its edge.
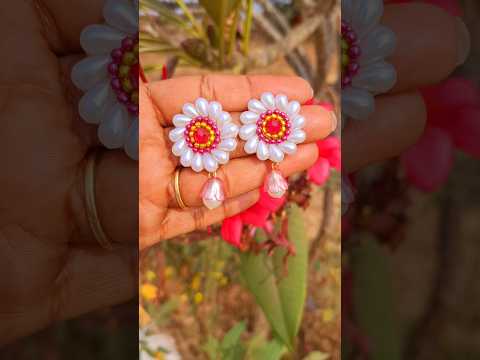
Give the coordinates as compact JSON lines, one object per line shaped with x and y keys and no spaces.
{"x":453,"y":121}
{"x":232,"y":230}
{"x":257,"y":215}
{"x":329,"y":157}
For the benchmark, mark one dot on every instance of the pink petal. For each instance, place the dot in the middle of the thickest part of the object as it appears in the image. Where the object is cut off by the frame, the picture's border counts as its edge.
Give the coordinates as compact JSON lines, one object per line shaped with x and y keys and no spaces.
{"x":269,"y":203}
{"x":465,"y":131}
{"x":257,"y":215}
{"x":428,"y":163}
{"x":319,"y":173}
{"x":232,"y":230}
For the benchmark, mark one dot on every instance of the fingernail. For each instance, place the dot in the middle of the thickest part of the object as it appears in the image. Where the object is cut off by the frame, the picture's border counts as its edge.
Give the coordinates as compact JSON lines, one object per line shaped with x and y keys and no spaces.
{"x":463,"y":41}
{"x":334,"y":121}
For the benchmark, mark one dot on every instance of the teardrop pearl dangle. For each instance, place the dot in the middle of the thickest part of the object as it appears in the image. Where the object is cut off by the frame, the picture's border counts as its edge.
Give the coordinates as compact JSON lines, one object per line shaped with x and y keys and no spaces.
{"x":203,"y":138}
{"x":272,"y":128}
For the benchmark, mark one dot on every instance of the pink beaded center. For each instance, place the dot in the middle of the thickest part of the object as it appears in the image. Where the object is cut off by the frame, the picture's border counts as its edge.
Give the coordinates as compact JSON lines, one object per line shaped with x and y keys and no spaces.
{"x":273,"y":127}
{"x":124,"y":71}
{"x":202,"y":134}
{"x":350,"y":54}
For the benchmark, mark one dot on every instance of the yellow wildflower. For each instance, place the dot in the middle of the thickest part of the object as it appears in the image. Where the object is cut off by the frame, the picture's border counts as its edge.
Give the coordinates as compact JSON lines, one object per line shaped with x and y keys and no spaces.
{"x":198,"y":298}
{"x":148,"y":292}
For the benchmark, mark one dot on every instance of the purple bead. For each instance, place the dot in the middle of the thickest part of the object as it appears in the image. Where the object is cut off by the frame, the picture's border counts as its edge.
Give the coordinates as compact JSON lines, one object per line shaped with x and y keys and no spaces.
{"x":117,"y":55}
{"x":127,"y":44}
{"x":353,"y":68}
{"x":351,"y":36}
{"x":354,"y":52}
{"x":346,"y":80}
{"x":132,"y":108}
{"x":116,"y":84}
{"x":113,"y":68}
{"x":122,"y":97}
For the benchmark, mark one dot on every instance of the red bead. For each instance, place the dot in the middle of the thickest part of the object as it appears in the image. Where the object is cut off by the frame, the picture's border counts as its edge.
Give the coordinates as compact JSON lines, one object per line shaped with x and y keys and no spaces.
{"x":274,"y":126}
{"x":201,"y":136}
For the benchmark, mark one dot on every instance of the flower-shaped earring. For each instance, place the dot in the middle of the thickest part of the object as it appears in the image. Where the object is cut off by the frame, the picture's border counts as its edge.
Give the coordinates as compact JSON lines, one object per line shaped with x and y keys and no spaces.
{"x":272,"y":127}
{"x":109,"y":76}
{"x":365,"y":46}
{"x":203,"y":138}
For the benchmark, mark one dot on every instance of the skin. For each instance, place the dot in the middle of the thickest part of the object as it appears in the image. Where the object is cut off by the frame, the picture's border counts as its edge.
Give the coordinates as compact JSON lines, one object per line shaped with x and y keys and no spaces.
{"x":51,"y":266}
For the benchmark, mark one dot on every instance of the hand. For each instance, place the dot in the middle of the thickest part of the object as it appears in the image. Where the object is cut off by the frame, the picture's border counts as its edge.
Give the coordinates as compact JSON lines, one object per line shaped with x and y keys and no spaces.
{"x":160,"y":217}
{"x":52,"y":268}
{"x":430,"y":45}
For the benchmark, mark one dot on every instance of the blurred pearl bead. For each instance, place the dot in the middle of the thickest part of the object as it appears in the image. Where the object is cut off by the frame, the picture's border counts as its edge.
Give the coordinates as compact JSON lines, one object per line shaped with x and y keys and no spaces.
{"x":202,"y":106}
{"x":214,"y":109}
{"x":186,"y":158}
{"x":293,"y":108}
{"x":197,"y":162}
{"x":221,"y":156}
{"x":288,"y":147}
{"x":176,"y":134}
{"x":212,"y":193}
{"x":297,"y":137}
{"x":181,"y":120}
{"x":248,"y":117}
{"x":209,"y":163}
{"x":276,"y":155}
{"x":251,"y":145}
{"x":268,"y":100}
{"x":276,"y":185}
{"x":262,"y":151}
{"x":256,"y":106}
{"x":227,"y":145}
{"x":189,"y":110}
{"x":247,"y":131}
{"x":282,"y":102}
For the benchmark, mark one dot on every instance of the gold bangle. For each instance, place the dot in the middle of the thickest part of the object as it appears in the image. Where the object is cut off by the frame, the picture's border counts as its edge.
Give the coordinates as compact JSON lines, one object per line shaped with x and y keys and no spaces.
{"x":176,"y":187}
{"x":90,"y":204}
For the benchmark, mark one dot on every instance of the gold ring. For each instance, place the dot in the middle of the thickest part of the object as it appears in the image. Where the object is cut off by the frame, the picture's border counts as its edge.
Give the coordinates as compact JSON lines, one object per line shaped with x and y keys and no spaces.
{"x":91,"y":207}
{"x":176,"y":187}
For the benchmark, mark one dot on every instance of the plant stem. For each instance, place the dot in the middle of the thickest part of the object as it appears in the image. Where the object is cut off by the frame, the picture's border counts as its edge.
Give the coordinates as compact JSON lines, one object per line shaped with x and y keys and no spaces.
{"x":247,"y":27}
{"x":233,"y":34}
{"x":189,"y":15}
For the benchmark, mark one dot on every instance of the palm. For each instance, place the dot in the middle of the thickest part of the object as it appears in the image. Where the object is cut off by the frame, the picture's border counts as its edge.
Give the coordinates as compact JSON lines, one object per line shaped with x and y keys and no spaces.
{"x":43,"y":230}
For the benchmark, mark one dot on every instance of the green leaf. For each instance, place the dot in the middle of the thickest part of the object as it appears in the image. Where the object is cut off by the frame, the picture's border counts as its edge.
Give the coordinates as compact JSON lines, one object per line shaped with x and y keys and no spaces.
{"x":281,"y":297}
{"x":211,"y":348}
{"x":273,"y":350}
{"x":373,"y":299}
{"x":232,"y":337}
{"x":317,"y":355}
{"x":219,"y":10}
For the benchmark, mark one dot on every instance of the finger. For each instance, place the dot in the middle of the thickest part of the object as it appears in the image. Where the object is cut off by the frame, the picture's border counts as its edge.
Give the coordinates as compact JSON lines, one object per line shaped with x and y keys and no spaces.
{"x":241,"y":175}
{"x":233,"y":92}
{"x":387,"y":133}
{"x":193,"y":219}
{"x":430,"y":44}
{"x":319,"y":123}
{"x":116,"y":198}
{"x":69,"y":18}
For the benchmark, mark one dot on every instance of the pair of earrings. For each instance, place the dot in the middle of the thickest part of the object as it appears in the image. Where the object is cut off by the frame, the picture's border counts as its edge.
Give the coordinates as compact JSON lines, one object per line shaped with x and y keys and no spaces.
{"x":205,"y":135}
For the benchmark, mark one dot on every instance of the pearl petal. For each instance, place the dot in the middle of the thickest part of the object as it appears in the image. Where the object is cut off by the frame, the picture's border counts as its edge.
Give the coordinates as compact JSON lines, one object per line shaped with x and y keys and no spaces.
{"x":247,"y":131}
{"x":256,"y":106}
{"x":268,"y":100}
{"x":189,"y":110}
{"x":176,"y":134}
{"x":282,"y":102}
{"x":251,"y":145}
{"x":249,"y":117}
{"x":357,"y":103}
{"x":221,"y":156}
{"x":186,"y":158}
{"x":230,"y":130}
{"x":179,"y":147}
{"x":209,"y":163}
{"x":181,"y":120}
{"x":227,"y":145}
{"x":293,"y":108}
{"x":100,"y":39}
{"x":214,"y":109}
{"x":113,"y":130}
{"x":276,"y":155}
{"x":223,"y":118}
{"x":131,"y":142}
{"x":298,"y":122}
{"x":288,"y":147}
{"x":121,"y":15}
{"x":90,"y":71}
{"x":197,"y":162}
{"x":262,"y":151}
{"x":377,"y":78}
{"x":202,"y":106}
{"x":95,"y":102}
{"x":297,"y":137}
